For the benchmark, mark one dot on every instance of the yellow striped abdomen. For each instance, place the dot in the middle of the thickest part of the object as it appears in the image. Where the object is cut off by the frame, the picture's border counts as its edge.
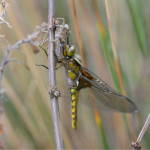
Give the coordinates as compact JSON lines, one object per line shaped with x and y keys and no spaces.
{"x":74,"y":100}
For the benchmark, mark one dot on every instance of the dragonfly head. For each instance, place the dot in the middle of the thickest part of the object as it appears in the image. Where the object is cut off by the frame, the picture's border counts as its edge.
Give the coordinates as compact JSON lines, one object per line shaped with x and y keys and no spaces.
{"x":69,"y":51}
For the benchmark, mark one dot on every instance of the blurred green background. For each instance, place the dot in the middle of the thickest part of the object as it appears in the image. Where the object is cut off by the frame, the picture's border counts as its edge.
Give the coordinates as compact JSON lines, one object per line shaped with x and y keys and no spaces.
{"x":27,"y":119}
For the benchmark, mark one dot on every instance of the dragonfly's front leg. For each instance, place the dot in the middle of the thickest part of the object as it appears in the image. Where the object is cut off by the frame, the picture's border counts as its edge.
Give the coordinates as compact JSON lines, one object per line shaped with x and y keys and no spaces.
{"x":59,"y":67}
{"x":42,"y":66}
{"x":44,"y":50}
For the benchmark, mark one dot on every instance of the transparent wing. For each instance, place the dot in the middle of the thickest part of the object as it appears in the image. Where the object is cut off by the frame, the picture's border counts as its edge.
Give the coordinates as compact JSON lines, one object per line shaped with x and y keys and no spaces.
{"x":92,"y":87}
{"x":62,"y":85}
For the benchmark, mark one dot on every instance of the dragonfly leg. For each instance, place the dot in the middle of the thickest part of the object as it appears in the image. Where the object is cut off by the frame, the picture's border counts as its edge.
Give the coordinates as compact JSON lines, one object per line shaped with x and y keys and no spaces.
{"x":42,"y":66}
{"x":68,"y":40}
{"x":43,"y":50}
{"x":58,"y":61}
{"x":47,"y":67}
{"x":61,"y":62}
{"x":59,"y":67}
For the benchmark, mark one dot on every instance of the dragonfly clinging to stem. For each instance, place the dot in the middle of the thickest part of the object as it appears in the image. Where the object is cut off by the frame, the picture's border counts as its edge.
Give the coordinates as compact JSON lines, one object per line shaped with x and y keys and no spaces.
{"x":84,"y":84}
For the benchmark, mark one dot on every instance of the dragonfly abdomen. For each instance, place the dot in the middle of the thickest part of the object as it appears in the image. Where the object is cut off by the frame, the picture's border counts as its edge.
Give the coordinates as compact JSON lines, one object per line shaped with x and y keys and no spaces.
{"x":74,"y":100}
{"x":73,"y":73}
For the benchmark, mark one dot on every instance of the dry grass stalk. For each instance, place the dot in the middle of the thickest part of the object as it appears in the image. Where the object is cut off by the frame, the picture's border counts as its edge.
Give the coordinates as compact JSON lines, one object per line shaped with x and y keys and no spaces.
{"x":52,"y":77}
{"x":136,"y":145}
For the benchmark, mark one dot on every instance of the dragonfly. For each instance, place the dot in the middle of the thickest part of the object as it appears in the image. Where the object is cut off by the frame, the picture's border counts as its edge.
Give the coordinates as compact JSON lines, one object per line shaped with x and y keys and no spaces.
{"x":84,"y":85}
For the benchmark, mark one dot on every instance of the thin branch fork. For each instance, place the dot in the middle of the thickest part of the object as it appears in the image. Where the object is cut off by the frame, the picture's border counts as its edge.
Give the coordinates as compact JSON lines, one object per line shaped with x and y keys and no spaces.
{"x":52,"y":78}
{"x":136,"y":145}
{"x":10,"y":49}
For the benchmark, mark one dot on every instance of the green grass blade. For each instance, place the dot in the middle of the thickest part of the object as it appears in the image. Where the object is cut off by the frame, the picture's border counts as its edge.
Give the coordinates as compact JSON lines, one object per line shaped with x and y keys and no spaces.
{"x":136,"y":14}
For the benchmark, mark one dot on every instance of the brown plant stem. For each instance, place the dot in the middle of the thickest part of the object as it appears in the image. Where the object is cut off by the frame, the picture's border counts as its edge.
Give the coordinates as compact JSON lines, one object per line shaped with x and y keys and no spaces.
{"x":116,"y":61}
{"x":114,"y":48}
{"x":78,"y":33}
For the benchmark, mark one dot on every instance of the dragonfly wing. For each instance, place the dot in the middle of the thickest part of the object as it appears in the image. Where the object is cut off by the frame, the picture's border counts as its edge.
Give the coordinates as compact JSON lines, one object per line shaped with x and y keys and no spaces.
{"x":92,"y":87}
{"x":62,"y":83}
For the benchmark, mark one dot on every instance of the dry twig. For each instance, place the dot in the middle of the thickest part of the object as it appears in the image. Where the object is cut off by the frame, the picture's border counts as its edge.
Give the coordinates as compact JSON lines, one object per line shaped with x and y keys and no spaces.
{"x":3,"y":7}
{"x":52,"y":78}
{"x":32,"y":38}
{"x":136,"y":145}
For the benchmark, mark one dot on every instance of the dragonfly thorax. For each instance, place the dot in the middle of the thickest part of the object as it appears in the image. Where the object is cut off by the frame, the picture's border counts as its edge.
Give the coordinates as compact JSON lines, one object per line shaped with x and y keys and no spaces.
{"x":77,"y":59}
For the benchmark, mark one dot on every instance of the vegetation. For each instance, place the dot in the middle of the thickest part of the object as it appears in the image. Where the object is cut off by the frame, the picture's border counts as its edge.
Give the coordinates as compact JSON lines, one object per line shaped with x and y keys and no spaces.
{"x":116,"y":49}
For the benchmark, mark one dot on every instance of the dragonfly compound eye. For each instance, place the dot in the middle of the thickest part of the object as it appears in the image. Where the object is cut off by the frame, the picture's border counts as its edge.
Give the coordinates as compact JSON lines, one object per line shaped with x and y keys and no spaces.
{"x":71,"y":51}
